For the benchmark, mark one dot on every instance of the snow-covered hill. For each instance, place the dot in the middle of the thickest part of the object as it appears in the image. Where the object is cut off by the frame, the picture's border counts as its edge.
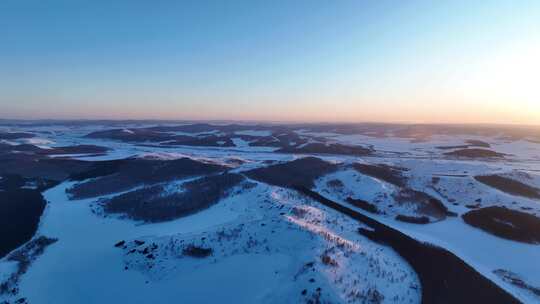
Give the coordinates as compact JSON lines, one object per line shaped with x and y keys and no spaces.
{"x":236,"y":228}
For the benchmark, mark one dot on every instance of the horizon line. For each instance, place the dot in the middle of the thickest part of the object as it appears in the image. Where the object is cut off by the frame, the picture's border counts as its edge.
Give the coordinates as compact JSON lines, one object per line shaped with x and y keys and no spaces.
{"x":262,"y":121}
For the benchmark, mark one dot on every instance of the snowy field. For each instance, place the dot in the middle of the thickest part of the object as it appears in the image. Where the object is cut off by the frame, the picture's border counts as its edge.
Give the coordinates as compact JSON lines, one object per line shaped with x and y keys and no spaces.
{"x":264,"y":242}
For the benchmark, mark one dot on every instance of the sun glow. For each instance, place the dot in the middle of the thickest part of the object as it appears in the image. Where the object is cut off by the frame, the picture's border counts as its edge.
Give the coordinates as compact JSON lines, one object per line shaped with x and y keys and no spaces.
{"x":510,"y":77}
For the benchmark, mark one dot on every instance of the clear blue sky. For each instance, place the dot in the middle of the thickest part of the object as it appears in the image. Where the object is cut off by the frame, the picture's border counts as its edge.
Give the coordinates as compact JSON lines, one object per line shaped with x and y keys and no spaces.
{"x":447,"y":61}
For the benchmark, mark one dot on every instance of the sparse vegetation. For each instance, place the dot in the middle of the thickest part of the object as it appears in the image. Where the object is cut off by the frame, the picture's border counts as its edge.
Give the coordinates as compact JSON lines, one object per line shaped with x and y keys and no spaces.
{"x":468,"y":144}
{"x":328,"y":260}
{"x":506,"y":223}
{"x":156,"y":204}
{"x":335,"y":184}
{"x":301,"y":172}
{"x":389,"y":174}
{"x":320,"y":148}
{"x":515,"y":280}
{"x":127,"y":174}
{"x":15,"y":135}
{"x":413,"y":219}
{"x":444,"y":277}
{"x":196,"y":251}
{"x":363,"y":205}
{"x":509,"y":185}
{"x":425,"y":203}
{"x":475,"y":153}
{"x":30,"y":164}
{"x":24,"y":257}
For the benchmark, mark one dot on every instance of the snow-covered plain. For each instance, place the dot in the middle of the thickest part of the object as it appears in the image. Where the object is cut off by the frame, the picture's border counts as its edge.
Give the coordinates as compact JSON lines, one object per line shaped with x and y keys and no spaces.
{"x":271,"y":245}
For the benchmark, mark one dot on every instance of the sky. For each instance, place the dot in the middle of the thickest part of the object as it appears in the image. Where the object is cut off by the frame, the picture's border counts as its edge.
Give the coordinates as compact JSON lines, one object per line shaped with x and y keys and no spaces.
{"x":295,"y":60}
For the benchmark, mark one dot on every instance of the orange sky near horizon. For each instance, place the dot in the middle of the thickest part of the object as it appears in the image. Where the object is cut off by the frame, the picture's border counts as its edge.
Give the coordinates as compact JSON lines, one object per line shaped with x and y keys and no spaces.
{"x":357,"y":61}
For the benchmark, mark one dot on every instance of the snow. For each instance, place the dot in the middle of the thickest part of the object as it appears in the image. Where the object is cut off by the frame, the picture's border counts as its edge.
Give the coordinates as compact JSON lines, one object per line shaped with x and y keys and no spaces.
{"x":84,"y":262}
{"x":87,"y":268}
{"x":8,"y":142}
{"x":290,"y":231}
{"x":485,"y":252}
{"x":6,"y":269}
{"x":38,"y":141}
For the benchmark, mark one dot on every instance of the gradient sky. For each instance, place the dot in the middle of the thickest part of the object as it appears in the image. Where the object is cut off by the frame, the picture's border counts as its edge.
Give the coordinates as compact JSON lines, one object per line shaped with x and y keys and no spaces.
{"x":406,"y":61}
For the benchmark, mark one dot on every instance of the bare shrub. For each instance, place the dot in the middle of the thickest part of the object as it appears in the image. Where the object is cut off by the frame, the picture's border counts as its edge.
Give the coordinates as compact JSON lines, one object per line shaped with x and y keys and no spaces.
{"x":196,"y":251}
